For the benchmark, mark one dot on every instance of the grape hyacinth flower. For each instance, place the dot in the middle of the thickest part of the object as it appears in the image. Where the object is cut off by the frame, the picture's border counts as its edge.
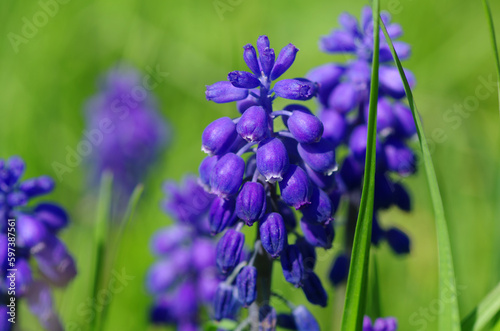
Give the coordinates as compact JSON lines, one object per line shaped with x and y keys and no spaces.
{"x":380,"y":324}
{"x":125,"y":130}
{"x":41,"y":260}
{"x":343,"y":97}
{"x":248,"y":163}
{"x":185,"y":277}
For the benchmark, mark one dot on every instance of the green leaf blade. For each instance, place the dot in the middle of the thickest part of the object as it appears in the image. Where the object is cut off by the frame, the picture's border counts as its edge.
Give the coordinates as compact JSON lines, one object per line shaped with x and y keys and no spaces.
{"x":355,"y":302}
{"x":449,"y":319}
{"x":484,"y":313}
{"x":491,"y":27}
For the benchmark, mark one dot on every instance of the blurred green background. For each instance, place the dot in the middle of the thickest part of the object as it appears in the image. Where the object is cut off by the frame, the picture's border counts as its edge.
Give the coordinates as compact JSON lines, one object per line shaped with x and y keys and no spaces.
{"x":46,"y":79}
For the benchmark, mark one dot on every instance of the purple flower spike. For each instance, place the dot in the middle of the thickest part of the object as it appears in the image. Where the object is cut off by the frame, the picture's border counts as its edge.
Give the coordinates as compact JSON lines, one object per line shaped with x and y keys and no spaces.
{"x":400,"y":158}
{"x":314,"y":290}
{"x":205,"y":170}
{"x":267,"y":318}
{"x":250,"y":57}
{"x":246,"y":283}
{"x":218,"y":136}
{"x":229,"y":249}
{"x":343,"y":98}
{"x":272,"y":159}
{"x":253,"y":124}
{"x":284,"y":61}
{"x":293,"y":265}
{"x":273,"y":234}
{"x":335,"y":126}
{"x":30,"y":231}
{"x":224,"y":302}
{"x":295,"y":187}
{"x":168,"y":239}
{"x":319,"y":156}
{"x":398,"y":240}
{"x":251,"y":202}
{"x":52,"y":216}
{"x":318,"y":235}
{"x":227,"y":175}
{"x":305,"y":127}
{"x":327,"y":76}
{"x":295,"y":89}
{"x":304,"y":320}
{"x":320,"y":210}
{"x":243,"y":79}
{"x":222,"y":92}
{"x":221,"y":215}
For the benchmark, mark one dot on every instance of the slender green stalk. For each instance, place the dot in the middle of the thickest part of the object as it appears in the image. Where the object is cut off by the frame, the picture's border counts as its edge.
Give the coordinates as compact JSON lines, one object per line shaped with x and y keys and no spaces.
{"x":484,"y":313}
{"x":449,"y":319}
{"x":491,"y":27}
{"x":375,"y":307}
{"x":355,"y":302}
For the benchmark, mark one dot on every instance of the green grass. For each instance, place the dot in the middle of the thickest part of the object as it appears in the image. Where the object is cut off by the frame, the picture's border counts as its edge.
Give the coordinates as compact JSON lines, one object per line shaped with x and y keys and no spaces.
{"x":44,"y":87}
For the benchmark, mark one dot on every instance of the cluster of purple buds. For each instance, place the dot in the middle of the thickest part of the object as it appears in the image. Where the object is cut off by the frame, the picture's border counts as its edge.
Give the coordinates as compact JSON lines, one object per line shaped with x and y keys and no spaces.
{"x":185,"y":277}
{"x":248,"y":161}
{"x":380,"y":324}
{"x":124,"y":129}
{"x":32,"y":257}
{"x":344,"y":100}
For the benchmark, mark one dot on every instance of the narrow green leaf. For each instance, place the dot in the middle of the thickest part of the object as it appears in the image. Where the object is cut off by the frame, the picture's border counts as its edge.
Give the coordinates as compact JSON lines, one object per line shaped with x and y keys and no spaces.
{"x":449,"y":319}
{"x":101,"y":233}
{"x":127,"y":217}
{"x":493,"y":38}
{"x":355,"y":301}
{"x":484,"y":313}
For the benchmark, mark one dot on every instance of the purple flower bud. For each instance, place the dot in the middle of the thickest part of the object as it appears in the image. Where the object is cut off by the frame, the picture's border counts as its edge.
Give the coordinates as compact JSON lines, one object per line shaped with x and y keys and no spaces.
{"x":286,"y":321}
{"x":251,"y":202}
{"x":318,"y":235}
{"x":52,"y":216}
{"x":334,"y":126}
{"x":273,"y":234}
{"x":405,"y":125}
{"x":314,"y":291}
{"x":304,"y":320}
{"x":357,"y":145}
{"x":385,"y":116}
{"x":399,"y":157}
{"x":319,"y":156}
{"x":391,"y":83}
{"x":229,"y":249}
{"x":17,"y":198}
{"x":250,"y":57}
{"x":284,"y":61}
{"x":54,"y":261}
{"x":385,"y":324}
{"x":351,"y":174}
{"x":343,"y":98}
{"x":23,"y":277}
{"x":358,"y":74}
{"x":39,"y":300}
{"x":272,"y":159}
{"x":221,"y":215}
{"x":253,"y":124}
{"x":377,"y":232}
{"x":398,"y":240}
{"x":384,"y":196}
{"x":320,"y":210}
{"x":262,"y":43}
{"x":295,"y":187}
{"x":205,"y":170}
{"x":218,"y":136}
{"x":308,"y":252}
{"x":37,"y":186}
{"x":340,"y":270}
{"x":288,"y":216}
{"x":243,"y":79}
{"x":227,"y":175}
{"x":166,"y":240}
{"x":15,"y":169}
{"x":266,"y":59}
{"x":367,"y":324}
{"x":323,"y":181}
{"x":338,"y":42}
{"x":249,"y":101}
{"x":305,"y":127}
{"x":164,"y":273}
{"x":30,"y":231}
{"x":246,"y":283}
{"x":295,"y":89}
{"x":267,"y":318}
{"x":207,"y":285}
{"x":186,"y":301}
{"x":327,"y":76}
{"x":222,"y":92}
{"x":401,"y":197}
{"x":293,"y":265}
{"x":225,"y":302}
{"x":349,"y":22}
